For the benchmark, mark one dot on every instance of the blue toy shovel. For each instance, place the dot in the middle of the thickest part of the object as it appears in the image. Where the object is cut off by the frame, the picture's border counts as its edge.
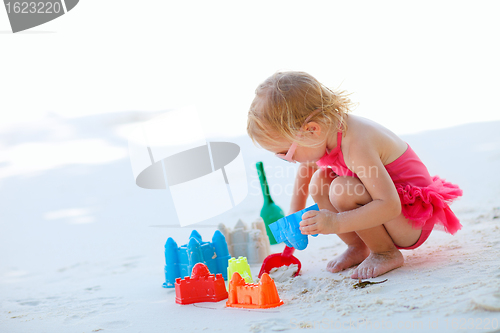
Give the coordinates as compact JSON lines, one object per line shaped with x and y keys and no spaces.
{"x":287,"y":230}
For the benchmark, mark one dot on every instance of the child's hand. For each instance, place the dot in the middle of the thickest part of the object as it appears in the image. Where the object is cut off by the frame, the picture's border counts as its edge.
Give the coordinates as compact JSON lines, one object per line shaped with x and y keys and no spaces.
{"x":319,"y":222}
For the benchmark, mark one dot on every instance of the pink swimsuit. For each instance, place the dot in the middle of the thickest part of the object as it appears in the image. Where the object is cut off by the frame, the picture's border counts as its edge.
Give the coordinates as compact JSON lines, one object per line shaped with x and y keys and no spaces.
{"x":424,"y":199}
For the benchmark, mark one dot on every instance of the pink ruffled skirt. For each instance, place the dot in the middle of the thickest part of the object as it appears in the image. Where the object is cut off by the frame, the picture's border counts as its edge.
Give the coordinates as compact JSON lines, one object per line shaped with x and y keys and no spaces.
{"x":425,"y":200}
{"x":427,"y":207}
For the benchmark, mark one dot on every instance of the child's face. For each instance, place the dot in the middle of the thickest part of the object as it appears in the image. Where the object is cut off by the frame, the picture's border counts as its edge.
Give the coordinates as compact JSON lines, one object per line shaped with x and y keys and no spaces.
{"x":302,"y":154}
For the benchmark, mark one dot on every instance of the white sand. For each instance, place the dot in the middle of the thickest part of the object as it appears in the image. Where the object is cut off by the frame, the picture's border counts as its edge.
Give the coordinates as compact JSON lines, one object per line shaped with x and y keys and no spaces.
{"x":81,"y":247}
{"x":283,"y":273}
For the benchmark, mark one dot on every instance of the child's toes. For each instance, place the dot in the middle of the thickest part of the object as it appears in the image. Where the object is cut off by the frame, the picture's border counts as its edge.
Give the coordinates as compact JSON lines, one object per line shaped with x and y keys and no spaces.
{"x":337,"y":268}
{"x":333,"y":266}
{"x":330,"y":265}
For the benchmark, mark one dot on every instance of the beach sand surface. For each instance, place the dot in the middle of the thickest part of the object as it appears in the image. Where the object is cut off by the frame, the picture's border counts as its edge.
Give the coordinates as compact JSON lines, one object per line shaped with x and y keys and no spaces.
{"x":81,"y":246}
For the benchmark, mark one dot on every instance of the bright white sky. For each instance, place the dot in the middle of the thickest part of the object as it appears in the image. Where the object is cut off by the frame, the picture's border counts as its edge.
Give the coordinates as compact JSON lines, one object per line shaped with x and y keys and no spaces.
{"x":411,"y":66}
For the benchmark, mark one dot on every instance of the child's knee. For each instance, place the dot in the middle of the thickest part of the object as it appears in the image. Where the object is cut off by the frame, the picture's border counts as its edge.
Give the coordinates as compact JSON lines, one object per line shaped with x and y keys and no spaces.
{"x":320,"y":183}
{"x":347,"y":193}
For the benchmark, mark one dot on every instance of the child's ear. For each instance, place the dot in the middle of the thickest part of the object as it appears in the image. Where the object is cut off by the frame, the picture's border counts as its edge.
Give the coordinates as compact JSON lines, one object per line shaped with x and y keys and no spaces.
{"x":313,"y":128}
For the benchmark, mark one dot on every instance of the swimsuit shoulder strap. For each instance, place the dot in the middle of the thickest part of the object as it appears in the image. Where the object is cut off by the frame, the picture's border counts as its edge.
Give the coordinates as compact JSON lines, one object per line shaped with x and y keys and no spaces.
{"x":339,"y":139}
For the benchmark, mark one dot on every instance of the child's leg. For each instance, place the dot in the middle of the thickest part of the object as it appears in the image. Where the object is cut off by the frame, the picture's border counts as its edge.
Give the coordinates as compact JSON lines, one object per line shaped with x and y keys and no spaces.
{"x":348,"y":193}
{"x":384,"y":256}
{"x":356,"y":251}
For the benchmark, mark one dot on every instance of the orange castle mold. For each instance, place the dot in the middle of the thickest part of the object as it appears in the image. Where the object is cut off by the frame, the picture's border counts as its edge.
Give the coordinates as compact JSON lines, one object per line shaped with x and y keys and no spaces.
{"x":260,"y":295}
{"x":200,"y":287}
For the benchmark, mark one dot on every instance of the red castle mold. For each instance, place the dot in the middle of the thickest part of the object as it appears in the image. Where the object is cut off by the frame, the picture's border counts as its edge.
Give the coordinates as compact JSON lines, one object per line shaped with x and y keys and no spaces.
{"x":200,"y":287}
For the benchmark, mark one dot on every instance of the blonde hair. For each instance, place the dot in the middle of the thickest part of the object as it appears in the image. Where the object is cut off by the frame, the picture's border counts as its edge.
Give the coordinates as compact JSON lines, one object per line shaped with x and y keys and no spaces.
{"x":284,"y":101}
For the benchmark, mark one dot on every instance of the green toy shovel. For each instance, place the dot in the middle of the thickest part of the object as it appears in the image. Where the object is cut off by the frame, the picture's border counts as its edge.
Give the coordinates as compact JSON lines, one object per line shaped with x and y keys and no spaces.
{"x":270,"y":212}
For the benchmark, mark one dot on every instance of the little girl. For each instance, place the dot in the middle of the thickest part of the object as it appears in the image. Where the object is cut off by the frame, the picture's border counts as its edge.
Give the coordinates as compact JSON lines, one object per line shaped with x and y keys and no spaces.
{"x":372,"y":189}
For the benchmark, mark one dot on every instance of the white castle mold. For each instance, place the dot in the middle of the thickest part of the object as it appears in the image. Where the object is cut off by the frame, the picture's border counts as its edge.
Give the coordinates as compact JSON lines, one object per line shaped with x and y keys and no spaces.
{"x":251,"y":243}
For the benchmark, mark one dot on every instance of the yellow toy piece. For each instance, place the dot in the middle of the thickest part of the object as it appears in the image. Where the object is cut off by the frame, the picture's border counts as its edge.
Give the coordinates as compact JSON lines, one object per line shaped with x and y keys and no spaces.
{"x":241,"y":266}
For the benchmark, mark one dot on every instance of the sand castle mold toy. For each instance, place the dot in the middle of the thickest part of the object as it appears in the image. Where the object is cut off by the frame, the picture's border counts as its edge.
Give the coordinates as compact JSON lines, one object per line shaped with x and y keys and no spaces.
{"x":287,"y":229}
{"x":241,"y":266}
{"x":252,"y":243}
{"x":252,"y":295}
{"x":179,"y":261}
{"x":200,"y":287}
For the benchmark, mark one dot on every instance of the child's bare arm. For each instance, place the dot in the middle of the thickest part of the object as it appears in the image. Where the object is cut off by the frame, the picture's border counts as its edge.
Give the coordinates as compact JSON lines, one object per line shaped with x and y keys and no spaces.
{"x":301,"y":186}
{"x":385,"y":204}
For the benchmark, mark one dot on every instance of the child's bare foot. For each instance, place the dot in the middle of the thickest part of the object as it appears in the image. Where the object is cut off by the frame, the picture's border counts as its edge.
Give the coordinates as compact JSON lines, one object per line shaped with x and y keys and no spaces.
{"x":377,"y":264}
{"x":352,"y":256}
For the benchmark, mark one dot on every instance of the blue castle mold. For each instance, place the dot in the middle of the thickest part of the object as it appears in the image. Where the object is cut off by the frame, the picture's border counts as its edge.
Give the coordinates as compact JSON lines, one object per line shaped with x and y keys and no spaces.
{"x":287,"y":229}
{"x":179,"y":261}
